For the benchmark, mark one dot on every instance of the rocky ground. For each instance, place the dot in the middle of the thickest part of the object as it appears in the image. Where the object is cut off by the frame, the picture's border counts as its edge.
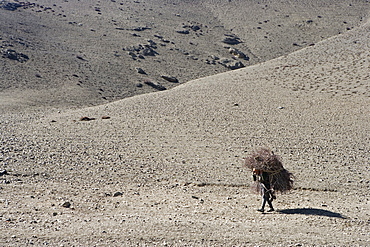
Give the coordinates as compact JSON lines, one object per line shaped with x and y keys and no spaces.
{"x":165,"y":166}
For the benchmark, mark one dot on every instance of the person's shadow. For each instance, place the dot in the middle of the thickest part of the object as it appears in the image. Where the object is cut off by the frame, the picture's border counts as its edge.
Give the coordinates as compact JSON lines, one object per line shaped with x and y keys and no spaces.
{"x":312,"y":211}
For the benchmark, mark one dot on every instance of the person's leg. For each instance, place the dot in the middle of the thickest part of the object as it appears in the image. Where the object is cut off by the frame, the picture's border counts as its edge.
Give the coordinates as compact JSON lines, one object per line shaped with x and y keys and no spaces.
{"x":270,"y":198}
{"x":262,"y":209}
{"x":264,"y":199}
{"x":270,"y":205}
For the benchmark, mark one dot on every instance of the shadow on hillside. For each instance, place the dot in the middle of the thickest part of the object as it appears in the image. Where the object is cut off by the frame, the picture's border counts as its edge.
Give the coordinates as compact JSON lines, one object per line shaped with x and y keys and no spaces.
{"x":312,"y":211}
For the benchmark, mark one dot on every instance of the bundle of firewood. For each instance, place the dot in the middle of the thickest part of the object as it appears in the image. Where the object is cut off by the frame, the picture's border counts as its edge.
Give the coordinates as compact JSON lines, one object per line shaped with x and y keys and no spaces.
{"x":264,"y":160}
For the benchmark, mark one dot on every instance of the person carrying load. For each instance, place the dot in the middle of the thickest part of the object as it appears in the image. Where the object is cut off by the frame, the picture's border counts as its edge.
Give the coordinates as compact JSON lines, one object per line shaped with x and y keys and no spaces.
{"x":269,"y":175}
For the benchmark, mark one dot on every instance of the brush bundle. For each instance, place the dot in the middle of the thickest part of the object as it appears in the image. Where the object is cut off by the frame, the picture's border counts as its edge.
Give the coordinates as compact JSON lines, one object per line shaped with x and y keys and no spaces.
{"x":264,"y":160}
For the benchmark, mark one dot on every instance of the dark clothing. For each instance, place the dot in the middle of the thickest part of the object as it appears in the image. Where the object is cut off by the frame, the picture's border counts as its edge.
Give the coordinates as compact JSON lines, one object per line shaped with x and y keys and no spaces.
{"x":266,"y":191}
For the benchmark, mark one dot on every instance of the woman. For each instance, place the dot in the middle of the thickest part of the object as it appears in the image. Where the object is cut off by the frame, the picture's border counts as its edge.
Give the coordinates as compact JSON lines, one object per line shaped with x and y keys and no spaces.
{"x":267,"y":193}
{"x":269,"y":174}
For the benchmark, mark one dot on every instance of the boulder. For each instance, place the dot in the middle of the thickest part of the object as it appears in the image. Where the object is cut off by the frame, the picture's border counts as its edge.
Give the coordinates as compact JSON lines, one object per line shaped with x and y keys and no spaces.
{"x":86,"y":118}
{"x":148,"y":52}
{"x":183,"y":31}
{"x":155,"y":85}
{"x":118,"y":193}
{"x":224,"y":61}
{"x":139,"y":29}
{"x":140,"y":71}
{"x":238,"y":54}
{"x":10,"y":6}
{"x":231,"y":40}
{"x":192,"y":27}
{"x":3,"y":172}
{"x":214,"y":57}
{"x":235,"y":65}
{"x":66,"y":204}
{"x":231,"y":64}
{"x":13,"y":55}
{"x":152,"y":44}
{"x":195,"y":27}
{"x":170,"y":78}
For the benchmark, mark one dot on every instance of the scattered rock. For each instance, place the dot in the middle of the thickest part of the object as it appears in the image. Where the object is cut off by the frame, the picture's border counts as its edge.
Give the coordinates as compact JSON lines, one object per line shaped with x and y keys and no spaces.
{"x":192,"y":27}
{"x":143,"y":50}
{"x":133,"y":48}
{"x":66,"y":205}
{"x":81,"y":58}
{"x":132,"y":54}
{"x":213,"y":62}
{"x":139,"y":29}
{"x":118,"y":193}
{"x":238,"y":54}
{"x":232,"y":40}
{"x":183,"y":31}
{"x":140,"y":71}
{"x":224,"y":61}
{"x":148,"y":52}
{"x":201,"y":184}
{"x":135,"y":35}
{"x":215,"y":57}
{"x":235,"y":65}
{"x":10,"y":6}
{"x":86,"y":119}
{"x":231,"y":64}
{"x":170,"y":78}
{"x":151,"y":43}
{"x":195,"y":27}
{"x":158,"y":36}
{"x":155,"y":85}
{"x":3,"y":172}
{"x":13,"y":55}
{"x":105,"y":117}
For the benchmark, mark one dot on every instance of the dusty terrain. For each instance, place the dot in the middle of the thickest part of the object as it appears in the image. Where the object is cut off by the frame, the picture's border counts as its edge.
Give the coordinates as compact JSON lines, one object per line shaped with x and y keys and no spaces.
{"x":158,"y":167}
